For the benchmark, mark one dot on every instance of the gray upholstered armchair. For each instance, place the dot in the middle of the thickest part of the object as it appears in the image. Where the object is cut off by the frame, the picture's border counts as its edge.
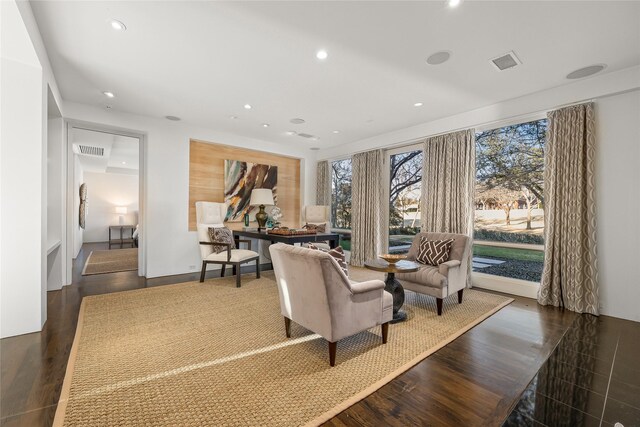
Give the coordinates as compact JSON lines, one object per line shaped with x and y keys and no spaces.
{"x":316,"y":294}
{"x":445,"y":279}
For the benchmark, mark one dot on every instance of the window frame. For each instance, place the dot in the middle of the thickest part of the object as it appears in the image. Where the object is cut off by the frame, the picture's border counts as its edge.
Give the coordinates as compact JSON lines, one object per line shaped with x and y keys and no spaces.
{"x":510,"y":285}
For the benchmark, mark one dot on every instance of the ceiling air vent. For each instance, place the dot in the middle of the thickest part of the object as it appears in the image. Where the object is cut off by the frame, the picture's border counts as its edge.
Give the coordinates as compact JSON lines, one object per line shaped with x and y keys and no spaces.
{"x":305,"y":135}
{"x":506,"y":61}
{"x":89,"y":150}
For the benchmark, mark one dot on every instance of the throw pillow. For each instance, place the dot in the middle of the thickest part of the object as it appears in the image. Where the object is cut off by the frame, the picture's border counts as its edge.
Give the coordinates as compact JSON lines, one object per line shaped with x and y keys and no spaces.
{"x":433,"y":252}
{"x":336,"y":253}
{"x":318,"y":228}
{"x":221,"y":235}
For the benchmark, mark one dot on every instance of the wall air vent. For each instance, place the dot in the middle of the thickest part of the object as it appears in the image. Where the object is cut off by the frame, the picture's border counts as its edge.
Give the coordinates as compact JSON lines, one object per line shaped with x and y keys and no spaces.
{"x":505,"y":62}
{"x":88,"y":150}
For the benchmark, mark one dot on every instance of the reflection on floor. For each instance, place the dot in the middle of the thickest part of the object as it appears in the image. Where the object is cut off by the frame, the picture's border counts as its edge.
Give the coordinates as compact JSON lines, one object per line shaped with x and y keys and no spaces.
{"x":591,"y":379}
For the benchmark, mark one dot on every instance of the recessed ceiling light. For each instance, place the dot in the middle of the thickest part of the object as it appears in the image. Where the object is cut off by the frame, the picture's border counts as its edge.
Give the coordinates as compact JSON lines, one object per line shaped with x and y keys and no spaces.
{"x":586,"y":71}
{"x":418,"y":104}
{"x":439,"y":57}
{"x":118,"y":25}
{"x":108,"y":94}
{"x":322,"y":54}
{"x":172,"y":118}
{"x":290,"y":132}
{"x":336,"y":131}
{"x":247,"y":107}
{"x":265,"y":125}
{"x":453,"y":3}
{"x":233,"y":117}
{"x":124,"y":163}
{"x":297,"y":121}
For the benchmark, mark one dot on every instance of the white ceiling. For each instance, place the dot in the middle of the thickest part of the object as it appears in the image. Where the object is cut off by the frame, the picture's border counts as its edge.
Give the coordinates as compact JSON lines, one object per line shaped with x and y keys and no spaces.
{"x":120,"y":152}
{"x":203,"y":61}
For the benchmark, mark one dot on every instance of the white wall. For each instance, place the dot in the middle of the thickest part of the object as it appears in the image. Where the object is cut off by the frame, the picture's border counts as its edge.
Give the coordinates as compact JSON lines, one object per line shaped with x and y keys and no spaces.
{"x":170,"y":247}
{"x":76,"y":231}
{"x":56,"y":175}
{"x":22,"y":173}
{"x":105,"y":192}
{"x":618,"y":204}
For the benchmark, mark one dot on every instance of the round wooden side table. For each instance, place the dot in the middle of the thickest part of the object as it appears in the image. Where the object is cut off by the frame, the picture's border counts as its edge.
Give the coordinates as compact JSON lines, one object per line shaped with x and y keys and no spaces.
{"x":391,"y":283}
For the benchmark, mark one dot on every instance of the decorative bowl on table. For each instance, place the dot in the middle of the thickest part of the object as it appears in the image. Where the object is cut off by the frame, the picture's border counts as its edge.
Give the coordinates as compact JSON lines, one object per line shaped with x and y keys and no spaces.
{"x":392,"y":258}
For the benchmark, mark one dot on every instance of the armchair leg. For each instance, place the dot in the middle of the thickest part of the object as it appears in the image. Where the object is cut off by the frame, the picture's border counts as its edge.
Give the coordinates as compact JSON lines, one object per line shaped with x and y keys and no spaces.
{"x":233,"y":271}
{"x":224,"y":267}
{"x":287,"y":326}
{"x":332,"y":353}
{"x":460,"y":296}
{"x":439,"y":305}
{"x":236,"y":268}
{"x":258,"y":268}
{"x":385,"y":332}
{"x":203,"y":272}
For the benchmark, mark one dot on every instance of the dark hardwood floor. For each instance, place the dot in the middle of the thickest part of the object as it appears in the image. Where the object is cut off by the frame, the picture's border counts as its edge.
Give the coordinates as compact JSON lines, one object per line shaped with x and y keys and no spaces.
{"x":475,"y":381}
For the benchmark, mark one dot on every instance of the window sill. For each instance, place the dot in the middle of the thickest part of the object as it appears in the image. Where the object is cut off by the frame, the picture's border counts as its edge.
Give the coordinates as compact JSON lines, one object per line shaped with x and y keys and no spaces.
{"x":505,"y":285}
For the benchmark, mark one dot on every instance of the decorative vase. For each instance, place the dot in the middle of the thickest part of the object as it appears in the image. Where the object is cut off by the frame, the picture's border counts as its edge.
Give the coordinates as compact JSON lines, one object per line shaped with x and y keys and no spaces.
{"x":261,"y":217}
{"x":246,"y":220}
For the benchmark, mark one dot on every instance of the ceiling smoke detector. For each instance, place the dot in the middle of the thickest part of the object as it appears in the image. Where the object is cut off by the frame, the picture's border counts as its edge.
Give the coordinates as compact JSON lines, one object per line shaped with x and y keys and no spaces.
{"x":505,"y":62}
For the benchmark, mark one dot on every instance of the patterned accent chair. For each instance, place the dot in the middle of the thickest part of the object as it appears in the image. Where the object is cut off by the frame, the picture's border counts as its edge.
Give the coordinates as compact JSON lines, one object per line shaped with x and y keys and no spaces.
{"x":316,"y":294}
{"x":210,"y":214}
{"x":445,"y":279}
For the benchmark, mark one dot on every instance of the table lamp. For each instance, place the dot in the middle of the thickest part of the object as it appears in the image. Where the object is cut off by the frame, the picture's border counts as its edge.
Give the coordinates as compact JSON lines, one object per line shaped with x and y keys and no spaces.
{"x":261,"y":197}
{"x":122,"y":211}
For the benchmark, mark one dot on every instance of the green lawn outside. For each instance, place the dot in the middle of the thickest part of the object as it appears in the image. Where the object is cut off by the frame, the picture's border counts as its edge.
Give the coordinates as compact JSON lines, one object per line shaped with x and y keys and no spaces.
{"x":508,"y":253}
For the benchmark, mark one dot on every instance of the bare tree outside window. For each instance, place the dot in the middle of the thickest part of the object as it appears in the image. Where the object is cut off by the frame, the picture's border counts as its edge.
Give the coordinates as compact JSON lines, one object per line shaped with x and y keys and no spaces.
{"x":404,"y":199}
{"x":341,"y":194}
{"x":509,"y":199}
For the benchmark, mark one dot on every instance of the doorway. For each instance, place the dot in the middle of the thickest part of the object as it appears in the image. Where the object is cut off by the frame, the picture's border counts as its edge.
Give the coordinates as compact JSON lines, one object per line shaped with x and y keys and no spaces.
{"x":106,"y":188}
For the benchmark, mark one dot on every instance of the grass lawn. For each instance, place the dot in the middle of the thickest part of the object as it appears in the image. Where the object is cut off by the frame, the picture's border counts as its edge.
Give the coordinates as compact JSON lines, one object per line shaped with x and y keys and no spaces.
{"x":508,"y":253}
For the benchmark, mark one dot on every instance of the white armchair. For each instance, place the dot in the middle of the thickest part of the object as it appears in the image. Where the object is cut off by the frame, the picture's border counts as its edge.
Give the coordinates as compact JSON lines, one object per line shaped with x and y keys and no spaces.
{"x":316,"y":294}
{"x":442,"y":280}
{"x":210,"y":214}
{"x":319,"y":215}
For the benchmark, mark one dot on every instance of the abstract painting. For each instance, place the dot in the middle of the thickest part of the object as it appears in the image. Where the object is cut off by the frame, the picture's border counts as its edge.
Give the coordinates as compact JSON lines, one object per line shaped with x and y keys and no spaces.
{"x":242,"y":177}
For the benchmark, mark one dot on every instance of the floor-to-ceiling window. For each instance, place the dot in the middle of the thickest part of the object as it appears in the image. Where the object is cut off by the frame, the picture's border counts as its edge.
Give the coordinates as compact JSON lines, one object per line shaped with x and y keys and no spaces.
{"x":509,"y":211}
{"x":341,"y":200}
{"x":405,"y":176}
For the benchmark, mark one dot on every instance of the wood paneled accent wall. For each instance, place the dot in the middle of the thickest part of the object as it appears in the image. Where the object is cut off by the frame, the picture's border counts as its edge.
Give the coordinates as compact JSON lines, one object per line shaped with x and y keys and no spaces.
{"x":206,"y":178}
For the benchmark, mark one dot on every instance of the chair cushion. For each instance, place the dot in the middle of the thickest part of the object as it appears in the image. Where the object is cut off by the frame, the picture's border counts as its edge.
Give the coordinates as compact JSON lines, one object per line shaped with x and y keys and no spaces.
{"x":387,"y":300}
{"x":222,"y":235}
{"x":237,"y":255}
{"x":433,"y":252}
{"x":426,"y":275}
{"x":337,"y":254}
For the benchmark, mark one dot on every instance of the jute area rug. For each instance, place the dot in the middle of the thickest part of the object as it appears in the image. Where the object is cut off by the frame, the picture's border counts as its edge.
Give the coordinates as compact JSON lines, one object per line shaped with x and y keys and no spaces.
{"x":210,"y":354}
{"x":111,"y":261}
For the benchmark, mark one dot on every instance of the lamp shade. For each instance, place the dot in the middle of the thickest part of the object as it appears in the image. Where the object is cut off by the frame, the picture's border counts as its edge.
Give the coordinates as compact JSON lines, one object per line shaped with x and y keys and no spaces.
{"x":121,"y":210}
{"x":261,"y":196}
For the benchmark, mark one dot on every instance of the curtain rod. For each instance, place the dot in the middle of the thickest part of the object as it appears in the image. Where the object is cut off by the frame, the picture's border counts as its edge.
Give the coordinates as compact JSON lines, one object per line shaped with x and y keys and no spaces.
{"x":413,"y":141}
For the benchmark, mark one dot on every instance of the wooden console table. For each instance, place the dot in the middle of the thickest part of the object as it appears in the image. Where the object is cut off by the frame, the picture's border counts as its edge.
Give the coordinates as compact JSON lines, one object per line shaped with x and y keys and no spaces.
{"x":120,"y":239}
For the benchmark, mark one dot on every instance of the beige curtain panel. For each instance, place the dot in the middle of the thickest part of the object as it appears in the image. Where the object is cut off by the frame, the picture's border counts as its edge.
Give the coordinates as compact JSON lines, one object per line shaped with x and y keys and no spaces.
{"x":448,"y":185}
{"x":570,"y":274}
{"x":367,"y":234}
{"x":323,"y":184}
